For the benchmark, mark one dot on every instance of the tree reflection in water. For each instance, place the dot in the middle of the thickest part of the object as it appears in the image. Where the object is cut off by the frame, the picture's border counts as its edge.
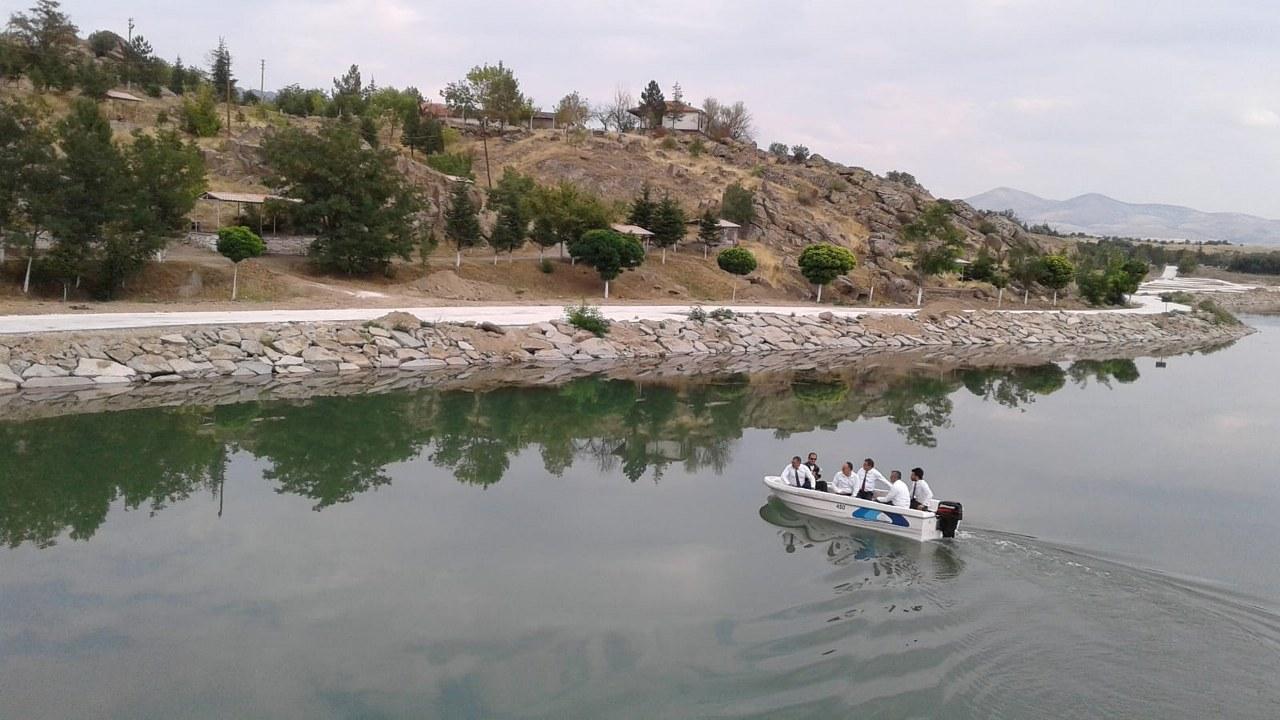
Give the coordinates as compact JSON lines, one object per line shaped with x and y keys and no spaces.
{"x":61,"y":475}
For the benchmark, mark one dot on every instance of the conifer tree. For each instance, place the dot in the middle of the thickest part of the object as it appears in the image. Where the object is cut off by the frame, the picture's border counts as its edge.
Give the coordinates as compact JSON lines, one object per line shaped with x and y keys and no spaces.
{"x":461,"y":226}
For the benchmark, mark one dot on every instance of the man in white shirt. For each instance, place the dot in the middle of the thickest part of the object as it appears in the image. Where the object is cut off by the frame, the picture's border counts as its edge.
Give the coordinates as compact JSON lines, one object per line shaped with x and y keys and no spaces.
{"x":845,"y":481}
{"x":921,"y":493}
{"x":898,"y":495}
{"x":797,"y":475}
{"x":868,"y":476}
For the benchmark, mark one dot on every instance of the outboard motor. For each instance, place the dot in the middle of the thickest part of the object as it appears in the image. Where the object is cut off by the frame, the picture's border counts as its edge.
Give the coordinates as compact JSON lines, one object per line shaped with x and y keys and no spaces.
{"x":949,"y":515}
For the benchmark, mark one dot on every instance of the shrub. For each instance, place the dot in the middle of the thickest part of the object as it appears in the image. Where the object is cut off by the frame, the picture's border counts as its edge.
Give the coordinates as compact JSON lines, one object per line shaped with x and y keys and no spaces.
{"x":721,"y":314}
{"x":736,"y":261}
{"x":904,"y":178}
{"x":456,"y":164}
{"x":1218,"y":315}
{"x":668,"y":143}
{"x":779,"y":150}
{"x":696,"y":148}
{"x":757,"y":171}
{"x":820,"y":264}
{"x":1178,"y":297}
{"x":986,"y":227}
{"x":737,"y":204}
{"x":546,"y":267}
{"x":806,"y":196}
{"x":799,"y":153}
{"x":697,"y":314}
{"x":162,"y":117}
{"x":200,"y":114}
{"x":587,"y":317}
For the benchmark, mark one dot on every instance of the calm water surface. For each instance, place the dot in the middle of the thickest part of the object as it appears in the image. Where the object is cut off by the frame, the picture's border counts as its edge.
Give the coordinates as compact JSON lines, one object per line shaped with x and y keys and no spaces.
{"x":606,"y":549}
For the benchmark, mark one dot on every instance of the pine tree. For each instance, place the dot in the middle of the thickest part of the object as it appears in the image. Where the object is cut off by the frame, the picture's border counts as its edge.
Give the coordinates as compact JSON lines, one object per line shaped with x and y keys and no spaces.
{"x":461,"y":226}
{"x":220,"y":69}
{"x":178,"y":77}
{"x":668,"y":225}
{"x":708,"y":232}
{"x":642,"y":209}
{"x":653,"y":103}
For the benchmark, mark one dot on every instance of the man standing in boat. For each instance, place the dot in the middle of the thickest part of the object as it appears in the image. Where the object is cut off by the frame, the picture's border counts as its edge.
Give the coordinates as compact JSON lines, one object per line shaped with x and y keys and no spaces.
{"x":797,"y":474}
{"x":868,"y":476}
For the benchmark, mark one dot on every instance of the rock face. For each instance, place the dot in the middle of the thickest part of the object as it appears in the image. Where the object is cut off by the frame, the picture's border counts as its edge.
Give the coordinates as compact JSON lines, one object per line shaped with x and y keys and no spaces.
{"x":304,"y":349}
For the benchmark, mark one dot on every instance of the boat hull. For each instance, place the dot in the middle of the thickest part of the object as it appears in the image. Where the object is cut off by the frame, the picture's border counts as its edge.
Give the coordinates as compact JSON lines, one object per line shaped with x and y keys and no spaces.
{"x":913,"y":524}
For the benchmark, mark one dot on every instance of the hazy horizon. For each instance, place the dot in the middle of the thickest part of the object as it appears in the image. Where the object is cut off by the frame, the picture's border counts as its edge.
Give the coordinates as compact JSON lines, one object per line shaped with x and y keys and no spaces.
{"x":1057,"y":101}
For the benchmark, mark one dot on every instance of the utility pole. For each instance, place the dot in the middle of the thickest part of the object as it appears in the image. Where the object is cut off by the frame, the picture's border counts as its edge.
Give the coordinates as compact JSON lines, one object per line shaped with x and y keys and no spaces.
{"x":228,"y":100}
{"x":262,"y":81}
{"x":128,"y":53}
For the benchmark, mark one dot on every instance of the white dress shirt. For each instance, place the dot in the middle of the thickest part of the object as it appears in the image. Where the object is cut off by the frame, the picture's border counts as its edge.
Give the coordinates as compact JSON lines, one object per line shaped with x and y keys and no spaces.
{"x":867,"y":479}
{"x":898,"y":495}
{"x":844,"y":484}
{"x":922,"y":493}
{"x":797,"y":477}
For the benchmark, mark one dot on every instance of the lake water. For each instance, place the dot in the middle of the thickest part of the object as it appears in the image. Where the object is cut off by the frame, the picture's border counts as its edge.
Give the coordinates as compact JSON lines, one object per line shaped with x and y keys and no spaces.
{"x":606,"y":549}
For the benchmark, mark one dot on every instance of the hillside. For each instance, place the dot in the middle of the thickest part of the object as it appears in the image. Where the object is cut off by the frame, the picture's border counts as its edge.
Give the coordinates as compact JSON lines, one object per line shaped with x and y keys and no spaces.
{"x":796,"y":204}
{"x":1101,"y":215}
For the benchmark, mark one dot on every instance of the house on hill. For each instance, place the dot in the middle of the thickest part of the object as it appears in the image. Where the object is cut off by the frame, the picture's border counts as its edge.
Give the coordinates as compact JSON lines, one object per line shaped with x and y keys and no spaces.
{"x":679,"y":116}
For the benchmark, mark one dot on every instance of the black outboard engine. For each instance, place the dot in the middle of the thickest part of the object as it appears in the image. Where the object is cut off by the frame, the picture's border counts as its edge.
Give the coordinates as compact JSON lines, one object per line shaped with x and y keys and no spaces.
{"x":949,"y":516}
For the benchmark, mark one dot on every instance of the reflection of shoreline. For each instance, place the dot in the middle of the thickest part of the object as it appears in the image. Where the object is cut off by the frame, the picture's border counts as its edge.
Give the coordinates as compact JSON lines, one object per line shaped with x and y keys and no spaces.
{"x":110,"y":398}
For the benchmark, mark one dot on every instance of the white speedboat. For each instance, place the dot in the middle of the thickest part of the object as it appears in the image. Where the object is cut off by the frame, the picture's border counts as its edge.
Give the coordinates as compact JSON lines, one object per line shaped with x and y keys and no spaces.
{"x":919,"y":525}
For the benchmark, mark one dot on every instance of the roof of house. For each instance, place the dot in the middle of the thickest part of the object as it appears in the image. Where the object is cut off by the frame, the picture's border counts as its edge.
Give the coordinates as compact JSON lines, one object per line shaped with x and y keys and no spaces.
{"x":673,"y":108}
{"x":630,"y":230}
{"x":247,"y":198}
{"x":721,"y":223}
{"x":122,"y":95}
{"x":544,"y":115}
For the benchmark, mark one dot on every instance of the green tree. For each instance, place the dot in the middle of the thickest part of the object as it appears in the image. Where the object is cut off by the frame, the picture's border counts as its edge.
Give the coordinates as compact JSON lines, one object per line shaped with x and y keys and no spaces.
{"x":200,"y":113}
{"x":461,"y":225}
{"x":220,"y":70}
{"x":608,"y":252}
{"x":1025,"y":267}
{"x":799,"y":153}
{"x":568,"y":212}
{"x":1057,"y":272}
{"x":349,"y":97}
{"x":394,"y":107}
{"x":642,"y":208}
{"x":26,"y":177}
{"x":94,"y":79}
{"x":512,"y":199}
{"x":492,"y":93}
{"x":238,"y":244}
{"x":736,"y":261}
{"x":820,"y":264}
{"x":737,"y":205}
{"x":572,"y":111}
{"x":938,"y":243}
{"x":653,"y":104}
{"x":667,"y":225}
{"x":708,"y":232}
{"x":91,"y":190}
{"x":779,"y":151}
{"x":904,"y":178}
{"x":44,"y":43}
{"x":105,"y":42}
{"x":363,"y":208}
{"x":178,"y":77}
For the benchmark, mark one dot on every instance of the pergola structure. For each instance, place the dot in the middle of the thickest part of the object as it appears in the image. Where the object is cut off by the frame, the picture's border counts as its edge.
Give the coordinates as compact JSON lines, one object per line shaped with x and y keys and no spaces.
{"x":218,"y":197}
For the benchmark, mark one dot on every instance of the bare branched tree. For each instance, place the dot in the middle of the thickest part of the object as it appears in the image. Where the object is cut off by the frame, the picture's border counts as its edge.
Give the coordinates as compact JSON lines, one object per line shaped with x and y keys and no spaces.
{"x":615,"y":114}
{"x":727,"y":121}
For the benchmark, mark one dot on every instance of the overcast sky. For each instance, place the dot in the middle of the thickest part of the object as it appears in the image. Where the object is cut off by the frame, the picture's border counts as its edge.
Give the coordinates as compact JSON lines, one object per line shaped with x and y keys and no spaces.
{"x":1173,"y":102}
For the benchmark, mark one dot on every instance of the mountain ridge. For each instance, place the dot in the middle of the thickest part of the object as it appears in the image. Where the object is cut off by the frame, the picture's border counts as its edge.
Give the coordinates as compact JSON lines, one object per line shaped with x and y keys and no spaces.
{"x":1099,"y":214}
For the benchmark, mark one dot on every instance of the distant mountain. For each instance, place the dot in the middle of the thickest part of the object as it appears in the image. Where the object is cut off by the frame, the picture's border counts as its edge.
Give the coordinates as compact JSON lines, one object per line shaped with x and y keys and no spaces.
{"x":1101,"y":215}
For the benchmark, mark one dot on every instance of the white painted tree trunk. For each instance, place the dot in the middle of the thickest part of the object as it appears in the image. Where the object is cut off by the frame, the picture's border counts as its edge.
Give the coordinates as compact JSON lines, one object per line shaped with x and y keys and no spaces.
{"x":495,"y":259}
{"x":1026,"y":295}
{"x":735,"y":294}
{"x":1055,"y":298}
{"x":2,"y":252}
{"x":871,"y":296}
{"x":919,"y":296}
{"x":705,"y":252}
{"x":1000,"y":297}
{"x":664,"y":256}
{"x":819,"y":294}
{"x":235,"y":279}
{"x":606,"y":289}
{"x":26,"y":281}
{"x":457,"y":259}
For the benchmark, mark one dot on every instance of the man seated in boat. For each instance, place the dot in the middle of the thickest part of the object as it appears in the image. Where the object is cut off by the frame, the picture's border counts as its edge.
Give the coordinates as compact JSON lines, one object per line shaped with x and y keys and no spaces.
{"x":921,"y":493}
{"x":798,"y":475}
{"x":845,"y":481}
{"x":812,"y":464}
{"x":898,"y":495}
{"x":868,"y":476}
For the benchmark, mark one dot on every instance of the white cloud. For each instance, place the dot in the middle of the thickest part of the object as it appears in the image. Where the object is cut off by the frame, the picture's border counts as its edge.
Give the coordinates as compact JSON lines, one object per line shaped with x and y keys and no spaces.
{"x":1260,"y":117}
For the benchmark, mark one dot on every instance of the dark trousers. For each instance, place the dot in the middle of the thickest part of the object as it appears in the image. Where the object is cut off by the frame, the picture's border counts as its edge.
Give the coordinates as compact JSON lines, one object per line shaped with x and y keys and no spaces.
{"x":820,"y":486}
{"x":866,"y":495}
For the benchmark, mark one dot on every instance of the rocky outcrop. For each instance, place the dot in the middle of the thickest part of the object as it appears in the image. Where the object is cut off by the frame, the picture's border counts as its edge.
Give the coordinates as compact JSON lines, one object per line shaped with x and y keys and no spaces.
{"x":401,"y":341}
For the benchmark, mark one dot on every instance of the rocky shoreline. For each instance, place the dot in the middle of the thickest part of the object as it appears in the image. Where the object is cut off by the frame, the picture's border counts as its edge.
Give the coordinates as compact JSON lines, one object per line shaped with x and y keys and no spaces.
{"x":45,"y":365}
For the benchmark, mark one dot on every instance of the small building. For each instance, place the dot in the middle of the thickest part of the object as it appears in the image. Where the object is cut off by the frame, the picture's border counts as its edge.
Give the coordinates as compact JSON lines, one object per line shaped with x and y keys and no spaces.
{"x":542,"y":120}
{"x":240,"y":199}
{"x":428,"y":108}
{"x":728,"y":230}
{"x":634,"y":231}
{"x":122,"y":104}
{"x":679,"y":116}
